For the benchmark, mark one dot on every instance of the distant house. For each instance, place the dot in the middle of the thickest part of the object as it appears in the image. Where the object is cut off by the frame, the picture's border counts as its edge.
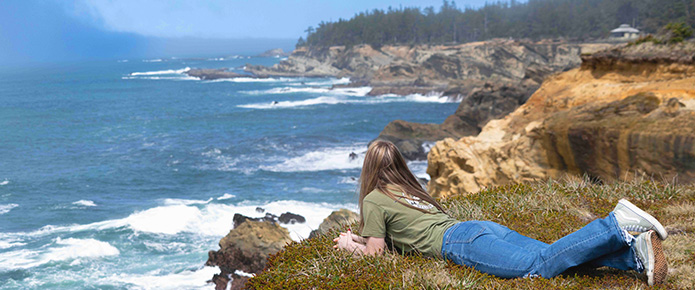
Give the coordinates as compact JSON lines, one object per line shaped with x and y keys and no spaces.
{"x":624,"y":32}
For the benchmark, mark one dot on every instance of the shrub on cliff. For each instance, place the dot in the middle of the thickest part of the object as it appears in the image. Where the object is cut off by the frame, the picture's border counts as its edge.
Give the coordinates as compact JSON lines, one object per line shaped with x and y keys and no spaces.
{"x":545,"y":211}
{"x":677,"y":32}
{"x":674,"y":32}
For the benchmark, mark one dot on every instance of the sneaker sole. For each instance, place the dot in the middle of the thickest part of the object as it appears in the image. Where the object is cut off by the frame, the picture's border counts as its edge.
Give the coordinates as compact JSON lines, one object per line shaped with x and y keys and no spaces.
{"x":660,"y":230}
{"x":660,"y":264}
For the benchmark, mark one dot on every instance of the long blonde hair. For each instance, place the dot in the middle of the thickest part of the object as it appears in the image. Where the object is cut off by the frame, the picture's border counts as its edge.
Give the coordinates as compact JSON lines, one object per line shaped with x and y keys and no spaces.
{"x":384,"y":166}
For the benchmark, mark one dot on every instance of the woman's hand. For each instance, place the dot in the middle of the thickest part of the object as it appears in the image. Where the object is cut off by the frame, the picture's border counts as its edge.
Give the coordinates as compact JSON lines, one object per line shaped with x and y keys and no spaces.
{"x":359,"y":245}
{"x":347,"y":241}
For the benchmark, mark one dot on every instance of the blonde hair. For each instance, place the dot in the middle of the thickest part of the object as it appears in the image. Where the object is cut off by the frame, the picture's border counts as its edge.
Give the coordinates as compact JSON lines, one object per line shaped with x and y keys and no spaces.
{"x":384,"y":166}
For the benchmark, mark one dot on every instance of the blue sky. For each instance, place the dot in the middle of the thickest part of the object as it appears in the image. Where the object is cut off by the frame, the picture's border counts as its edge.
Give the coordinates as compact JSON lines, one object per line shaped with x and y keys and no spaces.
{"x":54,"y":30}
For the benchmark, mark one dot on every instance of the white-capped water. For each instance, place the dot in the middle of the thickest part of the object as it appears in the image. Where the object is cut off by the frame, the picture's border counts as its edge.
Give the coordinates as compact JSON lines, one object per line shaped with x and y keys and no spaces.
{"x":58,"y":250}
{"x":5,"y":208}
{"x":161,"y":72}
{"x":345,"y":96}
{"x":84,"y":202}
{"x":332,"y":158}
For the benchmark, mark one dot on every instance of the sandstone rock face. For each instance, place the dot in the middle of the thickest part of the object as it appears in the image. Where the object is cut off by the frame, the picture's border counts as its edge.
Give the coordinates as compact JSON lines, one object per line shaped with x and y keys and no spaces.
{"x":615,"y":116}
{"x":336,"y":219}
{"x":246,"y":248}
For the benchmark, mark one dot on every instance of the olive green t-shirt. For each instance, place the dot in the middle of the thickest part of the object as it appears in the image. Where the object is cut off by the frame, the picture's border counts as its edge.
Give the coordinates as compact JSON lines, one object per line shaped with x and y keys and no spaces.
{"x":409,"y":229}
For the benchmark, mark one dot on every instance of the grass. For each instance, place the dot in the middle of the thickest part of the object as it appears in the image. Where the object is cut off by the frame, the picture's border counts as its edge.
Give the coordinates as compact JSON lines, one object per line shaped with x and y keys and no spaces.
{"x":545,"y":211}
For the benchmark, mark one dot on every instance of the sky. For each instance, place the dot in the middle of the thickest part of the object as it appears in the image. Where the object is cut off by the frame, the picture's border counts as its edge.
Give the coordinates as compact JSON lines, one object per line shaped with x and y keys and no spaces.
{"x":56,"y":30}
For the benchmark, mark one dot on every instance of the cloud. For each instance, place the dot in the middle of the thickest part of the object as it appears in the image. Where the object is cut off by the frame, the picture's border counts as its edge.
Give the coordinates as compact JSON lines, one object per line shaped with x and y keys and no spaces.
{"x":203,"y":19}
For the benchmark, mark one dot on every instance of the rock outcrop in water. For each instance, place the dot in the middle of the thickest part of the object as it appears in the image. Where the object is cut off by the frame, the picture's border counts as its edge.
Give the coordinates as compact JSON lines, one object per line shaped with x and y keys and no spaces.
{"x":246,"y":248}
{"x":625,"y":112}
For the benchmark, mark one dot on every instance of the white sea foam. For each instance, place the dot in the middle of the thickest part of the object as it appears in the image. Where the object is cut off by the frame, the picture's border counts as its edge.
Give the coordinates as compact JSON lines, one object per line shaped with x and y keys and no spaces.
{"x":4,"y":182}
{"x":356,"y":92}
{"x":153,"y":60}
{"x":210,"y":219}
{"x":219,"y":161}
{"x":242,"y":273}
{"x":248,"y":80}
{"x":226,"y":196}
{"x":58,"y":250}
{"x":173,"y":78}
{"x":349,"y":180}
{"x":419,"y":168}
{"x":161,"y":72}
{"x":331,"y":100}
{"x":84,"y":202}
{"x":5,"y":208}
{"x":302,"y":103}
{"x":334,"y":158}
{"x":329,"y":82}
{"x":6,"y":244}
{"x":176,"y":201}
{"x":185,"y":279}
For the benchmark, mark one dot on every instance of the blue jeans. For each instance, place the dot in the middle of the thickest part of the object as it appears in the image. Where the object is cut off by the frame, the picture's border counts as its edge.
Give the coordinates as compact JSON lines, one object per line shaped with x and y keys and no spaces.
{"x":495,"y":249}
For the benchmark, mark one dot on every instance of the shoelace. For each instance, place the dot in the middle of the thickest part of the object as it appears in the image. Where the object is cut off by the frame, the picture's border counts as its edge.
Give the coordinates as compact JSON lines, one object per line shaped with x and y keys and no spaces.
{"x":635,"y":228}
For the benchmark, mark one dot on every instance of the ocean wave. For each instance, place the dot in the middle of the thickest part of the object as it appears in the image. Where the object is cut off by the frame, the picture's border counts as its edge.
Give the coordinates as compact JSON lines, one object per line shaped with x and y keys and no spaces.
{"x":4,"y":182}
{"x":349,"y":180}
{"x":356,"y":92}
{"x":336,"y":158}
{"x":153,"y":60}
{"x":177,"y":78}
{"x":205,"y":220}
{"x":59,"y":250}
{"x":417,"y":98}
{"x":330,"y":100}
{"x":226,"y":196}
{"x":419,"y":168}
{"x":161,"y":72}
{"x":249,"y":80}
{"x":5,"y":208}
{"x":329,"y":82}
{"x":186,"y":279}
{"x":84,"y":202}
{"x":10,"y":244}
{"x":302,"y":103}
{"x":176,"y":201}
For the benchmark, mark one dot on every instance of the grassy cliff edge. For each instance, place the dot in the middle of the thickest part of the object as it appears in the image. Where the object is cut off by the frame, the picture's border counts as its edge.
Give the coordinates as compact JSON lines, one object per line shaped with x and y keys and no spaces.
{"x":545,"y":211}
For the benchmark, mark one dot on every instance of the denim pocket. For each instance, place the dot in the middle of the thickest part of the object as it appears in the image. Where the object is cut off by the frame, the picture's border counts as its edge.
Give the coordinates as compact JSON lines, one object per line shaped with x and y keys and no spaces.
{"x":466,"y":232}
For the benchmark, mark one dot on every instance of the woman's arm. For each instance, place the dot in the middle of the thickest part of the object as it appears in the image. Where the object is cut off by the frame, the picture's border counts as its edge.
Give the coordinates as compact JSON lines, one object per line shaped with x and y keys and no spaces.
{"x":359,"y":245}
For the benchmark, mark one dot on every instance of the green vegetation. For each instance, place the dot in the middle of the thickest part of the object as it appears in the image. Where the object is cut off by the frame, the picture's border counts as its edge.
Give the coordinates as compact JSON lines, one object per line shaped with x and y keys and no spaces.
{"x":535,"y":19}
{"x":677,"y":31}
{"x":545,"y":211}
{"x":671,"y":33}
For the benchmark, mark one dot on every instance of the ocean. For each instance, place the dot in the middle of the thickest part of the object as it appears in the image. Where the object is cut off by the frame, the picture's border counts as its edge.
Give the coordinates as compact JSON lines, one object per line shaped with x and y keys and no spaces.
{"x":124,"y":174}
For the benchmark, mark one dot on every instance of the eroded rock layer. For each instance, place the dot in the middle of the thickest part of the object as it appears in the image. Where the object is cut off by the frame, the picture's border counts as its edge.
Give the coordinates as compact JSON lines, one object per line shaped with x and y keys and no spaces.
{"x":454,"y":70}
{"x":623,"y":113}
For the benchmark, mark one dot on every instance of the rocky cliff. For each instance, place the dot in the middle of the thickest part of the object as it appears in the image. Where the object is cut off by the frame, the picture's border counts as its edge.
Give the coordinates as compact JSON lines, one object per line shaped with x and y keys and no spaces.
{"x":453,"y":70}
{"x":623,"y":112}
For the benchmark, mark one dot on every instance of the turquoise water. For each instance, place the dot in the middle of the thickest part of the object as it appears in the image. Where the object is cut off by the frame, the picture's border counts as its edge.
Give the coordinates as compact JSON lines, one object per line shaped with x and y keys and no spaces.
{"x":123,"y":174}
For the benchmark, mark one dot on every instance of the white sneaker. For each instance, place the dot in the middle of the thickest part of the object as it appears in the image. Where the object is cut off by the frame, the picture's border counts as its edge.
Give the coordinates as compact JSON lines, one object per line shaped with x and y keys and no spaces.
{"x":631,"y":218}
{"x":649,"y":251}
